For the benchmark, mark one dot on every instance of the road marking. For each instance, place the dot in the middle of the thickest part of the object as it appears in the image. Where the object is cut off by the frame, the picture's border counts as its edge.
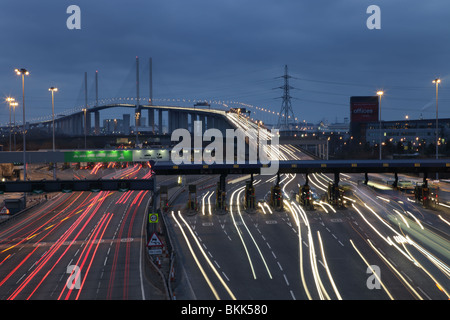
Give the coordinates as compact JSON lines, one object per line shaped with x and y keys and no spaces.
{"x":279,"y":265}
{"x":406,"y":276}
{"x":320,"y":261}
{"x":20,"y":278}
{"x":285,"y":279}
{"x":424,"y":293}
{"x":292,"y":295}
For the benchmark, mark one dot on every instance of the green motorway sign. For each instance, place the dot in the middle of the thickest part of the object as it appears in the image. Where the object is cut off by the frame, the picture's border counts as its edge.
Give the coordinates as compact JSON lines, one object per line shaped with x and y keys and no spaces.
{"x":98,"y":156}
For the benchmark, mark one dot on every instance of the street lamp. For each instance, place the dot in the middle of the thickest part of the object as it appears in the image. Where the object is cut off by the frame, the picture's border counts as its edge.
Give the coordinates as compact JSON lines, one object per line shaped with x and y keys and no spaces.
{"x":10,"y":100}
{"x":23,"y":72}
{"x":85,"y":132}
{"x":436,"y":82}
{"x":53,"y":90}
{"x":14,"y":105}
{"x":379,"y":93}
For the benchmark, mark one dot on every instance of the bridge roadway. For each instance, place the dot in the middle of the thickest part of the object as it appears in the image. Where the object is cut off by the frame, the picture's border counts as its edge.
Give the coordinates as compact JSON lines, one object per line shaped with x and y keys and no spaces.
{"x":73,"y":124}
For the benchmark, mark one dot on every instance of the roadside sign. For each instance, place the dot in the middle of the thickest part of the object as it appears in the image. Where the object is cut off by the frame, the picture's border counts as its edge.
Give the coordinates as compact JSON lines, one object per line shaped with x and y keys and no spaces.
{"x":155,"y":241}
{"x":98,"y":156}
{"x":4,"y":210}
{"x":153,"y":218}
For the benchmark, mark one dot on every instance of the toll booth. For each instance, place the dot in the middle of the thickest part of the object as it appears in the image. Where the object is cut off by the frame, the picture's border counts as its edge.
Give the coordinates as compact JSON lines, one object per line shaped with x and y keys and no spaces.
{"x":335,"y":195}
{"x":421,"y":194}
{"x":192,"y":204}
{"x":304,"y":197}
{"x":221,"y":193}
{"x":249,"y":197}
{"x":163,"y":198}
{"x":426,"y":195}
{"x":276,"y":197}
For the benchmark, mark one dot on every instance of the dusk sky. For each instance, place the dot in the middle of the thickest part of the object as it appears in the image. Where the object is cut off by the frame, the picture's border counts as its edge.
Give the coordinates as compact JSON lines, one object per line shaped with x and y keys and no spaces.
{"x":229,"y":50}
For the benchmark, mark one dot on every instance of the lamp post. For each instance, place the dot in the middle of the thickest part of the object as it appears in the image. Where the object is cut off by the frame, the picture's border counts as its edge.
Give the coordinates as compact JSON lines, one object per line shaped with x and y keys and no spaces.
{"x":14,"y":105}
{"x":10,"y":100}
{"x":380,"y":94}
{"x":85,"y":132}
{"x":53,"y":90}
{"x":23,"y":72}
{"x":436,"y":82}
{"x":257,"y":140}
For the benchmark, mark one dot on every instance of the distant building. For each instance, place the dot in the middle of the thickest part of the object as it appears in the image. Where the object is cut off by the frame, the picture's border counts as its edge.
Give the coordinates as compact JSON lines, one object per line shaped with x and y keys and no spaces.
{"x":363,"y":110}
{"x":414,"y":131}
{"x":126,"y":123}
{"x":335,"y":128}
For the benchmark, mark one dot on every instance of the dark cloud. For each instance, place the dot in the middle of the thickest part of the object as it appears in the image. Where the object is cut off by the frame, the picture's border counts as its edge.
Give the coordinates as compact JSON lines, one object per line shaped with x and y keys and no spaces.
{"x":230,"y":50}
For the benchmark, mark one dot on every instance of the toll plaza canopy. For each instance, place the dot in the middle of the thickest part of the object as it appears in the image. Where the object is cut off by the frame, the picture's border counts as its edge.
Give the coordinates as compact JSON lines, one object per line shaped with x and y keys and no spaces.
{"x":161,"y":164}
{"x":308,"y":166}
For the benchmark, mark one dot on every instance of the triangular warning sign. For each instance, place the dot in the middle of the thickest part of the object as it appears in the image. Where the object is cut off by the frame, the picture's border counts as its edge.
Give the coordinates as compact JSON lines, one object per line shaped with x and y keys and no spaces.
{"x":4,"y":210}
{"x":154,"y":241}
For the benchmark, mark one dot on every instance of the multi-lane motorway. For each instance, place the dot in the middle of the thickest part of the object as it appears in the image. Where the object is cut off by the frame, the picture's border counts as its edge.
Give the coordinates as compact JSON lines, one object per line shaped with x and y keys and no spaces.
{"x":81,"y":245}
{"x":87,"y":245}
{"x":381,"y":246}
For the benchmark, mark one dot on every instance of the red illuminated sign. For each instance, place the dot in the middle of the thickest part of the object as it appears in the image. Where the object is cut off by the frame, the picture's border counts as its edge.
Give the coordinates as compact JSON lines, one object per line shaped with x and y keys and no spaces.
{"x":364,"y":109}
